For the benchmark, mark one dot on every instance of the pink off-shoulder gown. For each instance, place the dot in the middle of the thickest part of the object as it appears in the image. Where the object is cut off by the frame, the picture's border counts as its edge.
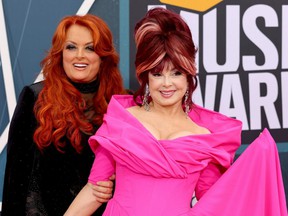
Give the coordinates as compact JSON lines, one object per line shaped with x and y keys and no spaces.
{"x":159,"y":177}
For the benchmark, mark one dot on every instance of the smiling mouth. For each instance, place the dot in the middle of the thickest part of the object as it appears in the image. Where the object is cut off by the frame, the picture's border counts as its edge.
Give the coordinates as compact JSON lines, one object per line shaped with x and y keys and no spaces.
{"x":78,"y":65}
{"x":167,"y":93}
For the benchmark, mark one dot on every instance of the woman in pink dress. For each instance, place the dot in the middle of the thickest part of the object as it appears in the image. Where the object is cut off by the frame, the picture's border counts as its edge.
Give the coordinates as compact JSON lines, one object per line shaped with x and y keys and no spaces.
{"x":164,"y":148}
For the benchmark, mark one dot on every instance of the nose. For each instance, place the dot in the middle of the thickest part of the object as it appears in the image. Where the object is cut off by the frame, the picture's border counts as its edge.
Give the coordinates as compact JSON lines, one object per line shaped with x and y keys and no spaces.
{"x":80,"y":53}
{"x":167,"y":81}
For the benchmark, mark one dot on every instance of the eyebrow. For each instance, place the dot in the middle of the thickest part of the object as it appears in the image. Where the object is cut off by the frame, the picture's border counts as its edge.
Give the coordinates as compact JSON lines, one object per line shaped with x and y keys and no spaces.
{"x":69,"y":41}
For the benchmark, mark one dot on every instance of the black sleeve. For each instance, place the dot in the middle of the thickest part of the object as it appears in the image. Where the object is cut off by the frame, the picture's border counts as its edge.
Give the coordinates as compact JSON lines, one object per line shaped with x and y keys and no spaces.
{"x":20,"y":153}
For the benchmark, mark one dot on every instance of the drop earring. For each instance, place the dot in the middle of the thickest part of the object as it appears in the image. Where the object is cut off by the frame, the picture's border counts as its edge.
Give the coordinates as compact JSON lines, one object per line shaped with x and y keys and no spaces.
{"x":186,"y":104}
{"x":145,"y":99}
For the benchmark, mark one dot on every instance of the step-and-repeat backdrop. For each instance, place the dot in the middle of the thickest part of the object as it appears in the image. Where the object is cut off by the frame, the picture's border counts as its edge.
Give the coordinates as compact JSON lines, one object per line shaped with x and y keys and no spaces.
{"x":242,"y":56}
{"x":242,"y":59}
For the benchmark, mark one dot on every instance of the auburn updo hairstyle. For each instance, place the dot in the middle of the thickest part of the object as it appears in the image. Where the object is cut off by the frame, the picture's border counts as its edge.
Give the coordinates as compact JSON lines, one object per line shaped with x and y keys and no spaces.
{"x":162,"y":36}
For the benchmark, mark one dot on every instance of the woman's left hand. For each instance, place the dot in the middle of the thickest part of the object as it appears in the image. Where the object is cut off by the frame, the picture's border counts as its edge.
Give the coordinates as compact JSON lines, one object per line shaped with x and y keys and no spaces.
{"x":103,"y":190}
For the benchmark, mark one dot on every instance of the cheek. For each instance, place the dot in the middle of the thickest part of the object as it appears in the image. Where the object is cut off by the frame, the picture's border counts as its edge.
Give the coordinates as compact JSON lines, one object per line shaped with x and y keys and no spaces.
{"x":65,"y":65}
{"x":96,"y":62}
{"x":183,"y":83}
{"x":154,"y":85}
{"x":65,"y":60}
{"x":67,"y":57}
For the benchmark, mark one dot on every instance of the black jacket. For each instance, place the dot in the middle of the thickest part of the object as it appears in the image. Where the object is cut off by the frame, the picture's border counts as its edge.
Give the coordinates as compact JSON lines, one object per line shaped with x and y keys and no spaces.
{"x":40,"y":183}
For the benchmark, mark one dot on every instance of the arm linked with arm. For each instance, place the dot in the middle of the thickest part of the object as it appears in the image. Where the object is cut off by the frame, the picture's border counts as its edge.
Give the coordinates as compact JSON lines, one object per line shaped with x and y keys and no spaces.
{"x":86,"y":202}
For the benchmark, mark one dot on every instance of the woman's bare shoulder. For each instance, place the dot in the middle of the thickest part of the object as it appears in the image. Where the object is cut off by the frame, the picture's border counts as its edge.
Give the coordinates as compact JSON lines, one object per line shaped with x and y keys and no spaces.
{"x":134,"y":109}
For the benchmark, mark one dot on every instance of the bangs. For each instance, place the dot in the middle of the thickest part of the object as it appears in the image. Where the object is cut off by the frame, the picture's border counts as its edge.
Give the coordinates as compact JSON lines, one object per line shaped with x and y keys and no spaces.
{"x":167,"y":61}
{"x":160,"y":67}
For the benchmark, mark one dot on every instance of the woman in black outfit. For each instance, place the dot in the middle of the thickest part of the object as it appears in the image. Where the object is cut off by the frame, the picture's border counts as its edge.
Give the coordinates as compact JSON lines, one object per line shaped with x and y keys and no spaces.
{"x":48,"y":156}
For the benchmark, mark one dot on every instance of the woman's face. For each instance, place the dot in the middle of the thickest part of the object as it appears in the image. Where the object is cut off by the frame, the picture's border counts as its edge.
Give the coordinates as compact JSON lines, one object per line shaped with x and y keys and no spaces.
{"x":167,"y":87}
{"x":81,"y":63}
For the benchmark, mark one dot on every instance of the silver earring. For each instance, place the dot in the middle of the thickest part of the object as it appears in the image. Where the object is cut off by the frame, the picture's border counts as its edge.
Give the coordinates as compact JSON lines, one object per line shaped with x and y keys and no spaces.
{"x":186,"y":104}
{"x":145,"y":99}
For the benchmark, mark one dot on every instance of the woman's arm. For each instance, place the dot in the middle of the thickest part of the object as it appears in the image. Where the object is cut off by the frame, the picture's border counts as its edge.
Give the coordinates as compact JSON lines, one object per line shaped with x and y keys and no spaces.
{"x":20,"y":154}
{"x":84,"y":204}
{"x":90,"y":198}
{"x":103,"y":190}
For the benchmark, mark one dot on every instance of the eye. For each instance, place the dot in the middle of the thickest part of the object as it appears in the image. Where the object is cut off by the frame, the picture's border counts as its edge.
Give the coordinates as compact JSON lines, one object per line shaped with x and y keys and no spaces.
{"x":70,"y":47}
{"x":177,"y":73}
{"x":90,"y":48}
{"x":156,"y":74}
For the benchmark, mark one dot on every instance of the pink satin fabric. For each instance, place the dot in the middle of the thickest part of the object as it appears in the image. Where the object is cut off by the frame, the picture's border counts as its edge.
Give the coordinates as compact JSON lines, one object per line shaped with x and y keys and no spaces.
{"x":159,"y":177}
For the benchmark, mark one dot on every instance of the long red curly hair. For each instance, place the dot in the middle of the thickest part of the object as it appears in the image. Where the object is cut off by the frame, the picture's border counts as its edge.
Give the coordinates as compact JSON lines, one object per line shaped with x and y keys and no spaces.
{"x":59,"y":108}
